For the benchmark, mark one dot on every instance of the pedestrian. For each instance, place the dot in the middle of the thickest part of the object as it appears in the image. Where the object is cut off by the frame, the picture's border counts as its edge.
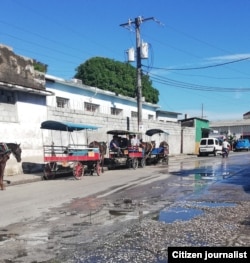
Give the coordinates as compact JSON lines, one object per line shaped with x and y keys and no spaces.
{"x":225,"y":145}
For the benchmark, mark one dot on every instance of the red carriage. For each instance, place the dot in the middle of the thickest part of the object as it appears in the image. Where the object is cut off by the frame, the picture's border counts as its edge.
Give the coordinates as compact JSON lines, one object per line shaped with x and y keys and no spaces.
{"x":65,"y":153}
{"x":126,"y":154}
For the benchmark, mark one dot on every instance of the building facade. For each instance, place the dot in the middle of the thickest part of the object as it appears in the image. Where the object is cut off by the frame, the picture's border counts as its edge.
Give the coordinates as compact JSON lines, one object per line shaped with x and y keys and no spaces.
{"x":28,"y":98}
{"x":235,"y":128}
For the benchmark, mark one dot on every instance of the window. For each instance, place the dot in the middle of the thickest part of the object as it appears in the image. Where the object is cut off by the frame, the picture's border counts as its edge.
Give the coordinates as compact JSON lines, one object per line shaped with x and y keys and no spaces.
{"x":115,"y":111}
{"x":133,"y":114}
{"x":150,"y":117}
{"x":7,"y":97}
{"x":62,"y":102}
{"x":203,"y":142}
{"x":91,"y":107}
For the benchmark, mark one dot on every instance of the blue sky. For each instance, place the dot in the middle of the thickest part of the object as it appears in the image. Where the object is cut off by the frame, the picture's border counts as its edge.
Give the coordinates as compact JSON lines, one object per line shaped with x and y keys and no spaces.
{"x":199,"y":50}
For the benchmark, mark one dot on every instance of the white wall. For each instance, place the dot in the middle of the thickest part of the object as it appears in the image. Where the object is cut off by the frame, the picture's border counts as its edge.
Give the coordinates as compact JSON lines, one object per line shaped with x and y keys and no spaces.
{"x":26,"y":132}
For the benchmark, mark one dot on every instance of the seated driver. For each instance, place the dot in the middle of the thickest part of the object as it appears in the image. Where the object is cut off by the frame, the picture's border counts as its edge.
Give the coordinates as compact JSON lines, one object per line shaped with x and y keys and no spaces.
{"x":114,"y":144}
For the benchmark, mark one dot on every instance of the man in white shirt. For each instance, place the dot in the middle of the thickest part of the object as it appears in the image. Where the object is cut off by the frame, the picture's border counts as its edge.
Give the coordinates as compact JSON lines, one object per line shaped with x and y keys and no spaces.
{"x":225,"y":145}
{"x":134,"y":141}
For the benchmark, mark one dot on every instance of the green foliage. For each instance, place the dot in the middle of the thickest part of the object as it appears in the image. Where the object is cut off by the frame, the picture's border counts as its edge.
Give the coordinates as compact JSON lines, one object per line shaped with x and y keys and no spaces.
{"x":40,"y":66}
{"x":115,"y":76}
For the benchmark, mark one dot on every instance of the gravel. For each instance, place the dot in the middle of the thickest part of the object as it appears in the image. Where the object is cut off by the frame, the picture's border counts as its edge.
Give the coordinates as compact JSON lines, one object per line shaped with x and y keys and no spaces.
{"x":146,"y":239}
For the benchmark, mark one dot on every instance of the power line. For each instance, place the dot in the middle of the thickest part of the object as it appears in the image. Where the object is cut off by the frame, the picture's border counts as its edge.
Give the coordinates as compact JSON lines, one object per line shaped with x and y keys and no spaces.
{"x":205,"y":67}
{"x":192,"y":86}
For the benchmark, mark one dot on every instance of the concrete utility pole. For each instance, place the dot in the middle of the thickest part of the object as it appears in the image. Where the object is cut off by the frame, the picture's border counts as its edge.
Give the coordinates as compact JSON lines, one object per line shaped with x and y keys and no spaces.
{"x":137,"y":22}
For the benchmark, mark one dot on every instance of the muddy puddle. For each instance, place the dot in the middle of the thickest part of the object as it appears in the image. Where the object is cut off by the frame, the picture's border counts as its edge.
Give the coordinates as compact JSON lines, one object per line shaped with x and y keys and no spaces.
{"x":180,"y":213}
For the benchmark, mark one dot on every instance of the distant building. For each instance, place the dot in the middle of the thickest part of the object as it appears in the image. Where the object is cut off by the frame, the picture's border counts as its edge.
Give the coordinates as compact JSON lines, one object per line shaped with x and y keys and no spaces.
{"x":167,"y":115}
{"x":202,"y":129}
{"x":246,"y":115}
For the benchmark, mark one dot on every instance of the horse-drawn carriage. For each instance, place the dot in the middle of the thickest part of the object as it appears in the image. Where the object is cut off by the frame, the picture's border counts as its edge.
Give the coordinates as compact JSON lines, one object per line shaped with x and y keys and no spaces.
{"x":126,"y":154}
{"x":154,"y":155}
{"x":65,"y":153}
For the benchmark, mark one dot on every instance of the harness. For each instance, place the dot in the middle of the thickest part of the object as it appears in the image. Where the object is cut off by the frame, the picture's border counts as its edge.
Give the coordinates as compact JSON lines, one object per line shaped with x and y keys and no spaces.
{"x":4,"y":152}
{"x":4,"y":149}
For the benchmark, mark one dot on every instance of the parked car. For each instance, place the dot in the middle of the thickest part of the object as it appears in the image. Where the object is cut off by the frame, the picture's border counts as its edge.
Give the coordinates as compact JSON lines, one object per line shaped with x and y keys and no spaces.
{"x":210,"y":146}
{"x":242,"y":145}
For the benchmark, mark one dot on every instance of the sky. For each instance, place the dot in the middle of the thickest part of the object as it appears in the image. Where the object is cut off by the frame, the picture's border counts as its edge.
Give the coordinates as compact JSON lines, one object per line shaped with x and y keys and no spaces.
{"x":199,"y":50}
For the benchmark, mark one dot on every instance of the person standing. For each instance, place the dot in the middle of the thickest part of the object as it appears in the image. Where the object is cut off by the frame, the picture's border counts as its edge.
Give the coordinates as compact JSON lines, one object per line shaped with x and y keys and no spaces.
{"x":225,"y":148}
{"x":225,"y":145}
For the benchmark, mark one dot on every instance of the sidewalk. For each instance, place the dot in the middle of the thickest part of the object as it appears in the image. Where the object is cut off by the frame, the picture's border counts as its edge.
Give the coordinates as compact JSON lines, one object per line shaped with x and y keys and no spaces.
{"x":34,"y":177}
{"x":22,"y":178}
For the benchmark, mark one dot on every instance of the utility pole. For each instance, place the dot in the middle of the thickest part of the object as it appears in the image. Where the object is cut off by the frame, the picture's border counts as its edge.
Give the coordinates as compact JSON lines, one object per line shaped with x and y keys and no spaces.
{"x":137,"y":22}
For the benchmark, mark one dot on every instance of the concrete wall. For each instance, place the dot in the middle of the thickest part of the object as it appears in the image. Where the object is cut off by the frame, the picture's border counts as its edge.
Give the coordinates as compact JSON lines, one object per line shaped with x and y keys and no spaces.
{"x":111,"y":122}
{"x":25,"y":131}
{"x":30,"y":115}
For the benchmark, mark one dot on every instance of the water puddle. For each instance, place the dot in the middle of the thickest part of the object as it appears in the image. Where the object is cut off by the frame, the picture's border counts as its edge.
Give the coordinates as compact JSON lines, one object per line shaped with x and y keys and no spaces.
{"x":214,"y":204}
{"x":178,"y":213}
{"x":38,"y":238}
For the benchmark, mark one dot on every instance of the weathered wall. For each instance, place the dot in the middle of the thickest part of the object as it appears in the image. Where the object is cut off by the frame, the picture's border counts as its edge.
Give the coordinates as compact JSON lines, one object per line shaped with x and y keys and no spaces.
{"x":19,"y":70}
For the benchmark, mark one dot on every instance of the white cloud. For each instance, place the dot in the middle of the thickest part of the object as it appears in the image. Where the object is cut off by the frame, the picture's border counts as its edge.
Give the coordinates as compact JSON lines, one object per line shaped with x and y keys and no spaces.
{"x":229,"y":57}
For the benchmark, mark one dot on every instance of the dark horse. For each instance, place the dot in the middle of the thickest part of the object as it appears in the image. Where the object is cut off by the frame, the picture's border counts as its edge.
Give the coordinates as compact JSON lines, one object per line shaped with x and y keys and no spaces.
{"x":147,"y":147}
{"x":164,"y":156}
{"x":6,"y":150}
{"x":102,"y":148}
{"x":165,"y":145}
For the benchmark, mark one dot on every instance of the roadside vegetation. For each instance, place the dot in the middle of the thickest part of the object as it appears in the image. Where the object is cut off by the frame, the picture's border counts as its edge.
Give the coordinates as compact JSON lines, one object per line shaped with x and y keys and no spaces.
{"x":115,"y":76}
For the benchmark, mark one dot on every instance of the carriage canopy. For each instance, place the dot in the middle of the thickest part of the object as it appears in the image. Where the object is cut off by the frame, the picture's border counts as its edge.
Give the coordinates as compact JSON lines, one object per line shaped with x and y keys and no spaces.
{"x":122,"y":132}
{"x":152,"y":132}
{"x":66,"y":126}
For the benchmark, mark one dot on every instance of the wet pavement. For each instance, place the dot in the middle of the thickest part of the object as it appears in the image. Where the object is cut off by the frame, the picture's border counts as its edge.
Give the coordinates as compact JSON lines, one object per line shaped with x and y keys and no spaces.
{"x":191,"y":202}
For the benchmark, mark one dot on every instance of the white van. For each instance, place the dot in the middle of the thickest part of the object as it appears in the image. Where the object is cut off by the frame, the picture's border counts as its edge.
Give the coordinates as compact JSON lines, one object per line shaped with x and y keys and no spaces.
{"x":210,"y":146}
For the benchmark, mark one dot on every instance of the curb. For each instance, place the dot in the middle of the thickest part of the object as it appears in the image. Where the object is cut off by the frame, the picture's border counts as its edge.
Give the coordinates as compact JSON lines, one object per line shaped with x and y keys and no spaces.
{"x":25,"y":181}
{"x":36,"y":177}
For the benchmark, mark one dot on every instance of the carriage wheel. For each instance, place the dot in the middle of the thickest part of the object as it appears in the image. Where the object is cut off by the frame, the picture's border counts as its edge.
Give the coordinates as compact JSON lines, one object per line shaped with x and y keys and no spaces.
{"x":142,"y":162}
{"x":134,"y":163}
{"x":49,"y":171}
{"x":98,"y":168}
{"x":78,"y":170}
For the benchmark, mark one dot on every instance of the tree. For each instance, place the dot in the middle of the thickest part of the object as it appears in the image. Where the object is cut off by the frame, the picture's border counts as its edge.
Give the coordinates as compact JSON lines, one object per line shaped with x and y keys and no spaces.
{"x":115,"y":76}
{"x":39,"y":66}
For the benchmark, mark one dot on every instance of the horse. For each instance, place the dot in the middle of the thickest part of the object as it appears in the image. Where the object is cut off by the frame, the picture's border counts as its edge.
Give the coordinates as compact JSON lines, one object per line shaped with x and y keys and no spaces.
{"x":165,"y":146}
{"x":102,"y":148}
{"x":6,"y":150}
{"x":147,"y":147}
{"x":15,"y":150}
